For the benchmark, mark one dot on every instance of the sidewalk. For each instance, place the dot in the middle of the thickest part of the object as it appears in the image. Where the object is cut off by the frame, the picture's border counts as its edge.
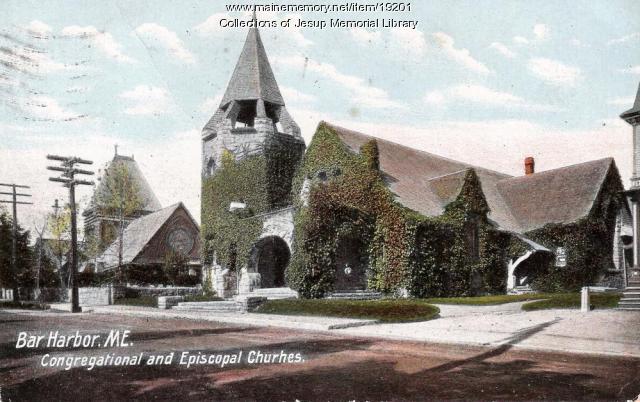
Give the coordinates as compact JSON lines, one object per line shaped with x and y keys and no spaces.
{"x":261,"y":320}
{"x":607,"y":332}
{"x":603,"y":332}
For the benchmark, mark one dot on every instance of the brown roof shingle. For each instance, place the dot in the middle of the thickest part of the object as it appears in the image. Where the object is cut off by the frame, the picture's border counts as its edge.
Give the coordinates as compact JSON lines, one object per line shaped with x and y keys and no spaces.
{"x":426,"y":183}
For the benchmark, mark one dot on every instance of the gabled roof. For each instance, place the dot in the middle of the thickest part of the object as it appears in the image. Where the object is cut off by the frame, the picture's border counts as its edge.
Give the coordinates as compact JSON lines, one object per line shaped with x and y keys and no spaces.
{"x":136,"y":236}
{"x":426,"y":183}
{"x":150,"y":202}
{"x":635,"y":110}
{"x":561,"y":195}
{"x":252,"y":77}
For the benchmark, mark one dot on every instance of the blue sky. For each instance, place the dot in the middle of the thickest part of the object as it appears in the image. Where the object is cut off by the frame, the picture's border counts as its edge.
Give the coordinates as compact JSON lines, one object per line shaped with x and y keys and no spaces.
{"x":487,"y":82}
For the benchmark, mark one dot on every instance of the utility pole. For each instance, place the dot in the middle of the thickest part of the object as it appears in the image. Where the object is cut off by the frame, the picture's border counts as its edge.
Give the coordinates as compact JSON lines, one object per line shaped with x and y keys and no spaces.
{"x":69,"y":171}
{"x":14,"y":231}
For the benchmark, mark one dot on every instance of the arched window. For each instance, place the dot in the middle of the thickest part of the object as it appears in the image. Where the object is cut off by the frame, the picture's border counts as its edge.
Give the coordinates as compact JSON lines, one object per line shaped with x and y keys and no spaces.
{"x":211,"y":166}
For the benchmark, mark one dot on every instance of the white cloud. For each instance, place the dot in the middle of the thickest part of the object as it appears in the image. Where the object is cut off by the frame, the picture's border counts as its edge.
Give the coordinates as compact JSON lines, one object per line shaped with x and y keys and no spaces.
{"x":502,"y":49}
{"x":33,"y":61}
{"x":460,"y":56}
{"x":147,"y":100}
{"x":165,"y":38}
{"x":621,"y":101}
{"x":435,"y":98}
{"x":104,"y":41}
{"x":627,"y":38}
{"x":364,"y":36}
{"x":631,"y":70}
{"x":554,"y":72}
{"x":38,"y":28}
{"x":578,"y":43}
{"x":210,"y":105}
{"x":520,"y":40}
{"x":362,"y":94}
{"x":541,"y":31}
{"x":411,"y":41}
{"x":48,"y":109}
{"x":211,"y":25}
{"x":484,"y":96}
{"x":292,"y":95}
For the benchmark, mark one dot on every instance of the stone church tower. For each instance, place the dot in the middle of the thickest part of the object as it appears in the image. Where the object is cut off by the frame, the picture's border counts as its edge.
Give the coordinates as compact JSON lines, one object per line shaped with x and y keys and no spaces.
{"x":251,"y":125}
{"x":251,"y":112}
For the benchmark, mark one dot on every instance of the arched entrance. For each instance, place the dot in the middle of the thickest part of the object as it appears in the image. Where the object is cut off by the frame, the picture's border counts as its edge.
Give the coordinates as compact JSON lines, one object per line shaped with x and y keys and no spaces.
{"x":270,"y":259}
{"x":351,"y":265}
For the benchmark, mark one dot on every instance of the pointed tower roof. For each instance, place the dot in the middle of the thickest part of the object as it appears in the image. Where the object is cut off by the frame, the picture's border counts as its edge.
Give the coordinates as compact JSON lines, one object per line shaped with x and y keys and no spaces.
{"x":635,"y":110}
{"x":253,"y":78}
{"x":150,"y":202}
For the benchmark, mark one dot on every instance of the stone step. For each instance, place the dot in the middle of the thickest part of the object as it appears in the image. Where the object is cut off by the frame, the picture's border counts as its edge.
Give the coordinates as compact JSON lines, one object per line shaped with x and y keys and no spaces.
{"x":275,"y":293}
{"x":213,"y":306}
{"x":629,"y":301}
{"x":355,"y":295}
{"x":628,"y":308}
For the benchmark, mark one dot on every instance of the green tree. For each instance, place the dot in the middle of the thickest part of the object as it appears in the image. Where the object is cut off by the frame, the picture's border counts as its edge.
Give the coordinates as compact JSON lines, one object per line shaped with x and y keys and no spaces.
{"x":119,"y":200}
{"x":59,"y":225}
{"x":8,"y":278}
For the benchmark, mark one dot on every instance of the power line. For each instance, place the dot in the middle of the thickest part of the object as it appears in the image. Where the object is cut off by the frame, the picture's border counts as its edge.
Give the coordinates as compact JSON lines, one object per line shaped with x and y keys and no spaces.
{"x":14,"y":230}
{"x":69,"y":171}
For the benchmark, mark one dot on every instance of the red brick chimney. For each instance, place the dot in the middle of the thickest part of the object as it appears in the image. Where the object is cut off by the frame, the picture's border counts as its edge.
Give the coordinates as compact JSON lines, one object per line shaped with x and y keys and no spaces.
{"x":529,"y":165}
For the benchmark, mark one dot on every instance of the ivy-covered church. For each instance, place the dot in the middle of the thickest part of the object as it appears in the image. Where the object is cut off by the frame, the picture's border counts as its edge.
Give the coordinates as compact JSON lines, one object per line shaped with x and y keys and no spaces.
{"x":358,"y":213}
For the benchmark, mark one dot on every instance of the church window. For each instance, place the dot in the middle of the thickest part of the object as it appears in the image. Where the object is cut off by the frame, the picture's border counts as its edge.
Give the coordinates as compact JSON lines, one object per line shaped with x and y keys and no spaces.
{"x":211,"y":166}
{"x":473,"y":237}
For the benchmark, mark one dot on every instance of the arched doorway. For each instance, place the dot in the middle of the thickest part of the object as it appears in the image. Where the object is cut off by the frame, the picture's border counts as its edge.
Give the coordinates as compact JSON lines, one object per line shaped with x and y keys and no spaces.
{"x":351,"y":265}
{"x":270,"y":259}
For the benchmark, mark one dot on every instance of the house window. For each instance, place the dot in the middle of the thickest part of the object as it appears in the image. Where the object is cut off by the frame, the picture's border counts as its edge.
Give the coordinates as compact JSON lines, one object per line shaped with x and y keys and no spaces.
{"x":473,"y":237}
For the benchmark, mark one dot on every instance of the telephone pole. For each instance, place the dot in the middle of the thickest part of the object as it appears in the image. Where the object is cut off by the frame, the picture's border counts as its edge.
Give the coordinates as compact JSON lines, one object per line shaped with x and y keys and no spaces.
{"x":69,"y":171}
{"x":14,"y":231}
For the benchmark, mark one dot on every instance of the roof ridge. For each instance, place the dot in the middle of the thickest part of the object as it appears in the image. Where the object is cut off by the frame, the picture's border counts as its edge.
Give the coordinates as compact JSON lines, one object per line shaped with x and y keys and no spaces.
{"x":444,"y":158}
{"x":450,"y":174}
{"x":554,"y":170}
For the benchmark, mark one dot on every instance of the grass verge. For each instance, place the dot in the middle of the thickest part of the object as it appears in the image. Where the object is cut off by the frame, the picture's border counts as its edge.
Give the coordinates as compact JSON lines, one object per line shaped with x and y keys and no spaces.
{"x":382,"y":310}
{"x":488,"y":300}
{"x":146,"y":301}
{"x":572,"y":300}
{"x":24,"y":305}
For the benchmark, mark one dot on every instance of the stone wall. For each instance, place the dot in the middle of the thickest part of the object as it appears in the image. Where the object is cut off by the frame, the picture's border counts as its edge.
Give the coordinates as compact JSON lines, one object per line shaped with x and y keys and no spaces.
{"x":93,"y":296}
{"x":132,"y":292}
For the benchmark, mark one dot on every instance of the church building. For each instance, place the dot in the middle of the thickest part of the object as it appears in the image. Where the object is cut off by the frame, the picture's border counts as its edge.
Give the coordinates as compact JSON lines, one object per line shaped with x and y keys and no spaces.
{"x":355,"y":213}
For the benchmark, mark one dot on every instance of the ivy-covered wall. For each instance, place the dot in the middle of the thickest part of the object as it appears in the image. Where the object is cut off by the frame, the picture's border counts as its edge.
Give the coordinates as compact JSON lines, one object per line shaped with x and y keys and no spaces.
{"x":262,"y":182}
{"x":588,"y":242}
{"x":346,"y":203}
{"x":428,"y":256}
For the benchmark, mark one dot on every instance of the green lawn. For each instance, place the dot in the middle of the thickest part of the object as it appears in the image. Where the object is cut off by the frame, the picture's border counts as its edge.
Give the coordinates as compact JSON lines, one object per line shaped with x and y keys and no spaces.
{"x":146,"y":301}
{"x":572,"y":300}
{"x":24,"y":305}
{"x":382,"y":310}
{"x":487,"y":300}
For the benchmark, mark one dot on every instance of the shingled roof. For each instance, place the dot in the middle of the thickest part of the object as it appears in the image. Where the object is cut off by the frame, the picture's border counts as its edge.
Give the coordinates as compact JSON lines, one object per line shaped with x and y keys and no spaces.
{"x":136,"y":236}
{"x":635,"y":110}
{"x":561,"y":195}
{"x":150,"y":202}
{"x":252,"y":77}
{"x":426,"y":183}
